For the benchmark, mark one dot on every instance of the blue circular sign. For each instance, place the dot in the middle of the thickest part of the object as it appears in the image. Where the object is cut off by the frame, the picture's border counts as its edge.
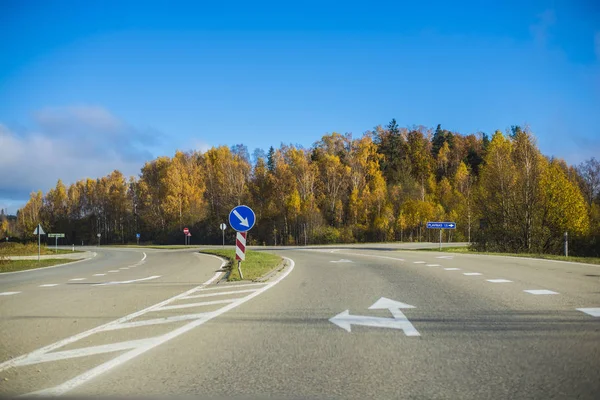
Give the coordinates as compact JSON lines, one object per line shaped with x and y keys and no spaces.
{"x":242,"y":218}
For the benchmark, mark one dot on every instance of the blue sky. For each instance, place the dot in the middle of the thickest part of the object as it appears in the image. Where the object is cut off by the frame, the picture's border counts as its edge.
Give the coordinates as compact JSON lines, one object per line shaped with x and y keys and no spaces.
{"x":86,"y":87}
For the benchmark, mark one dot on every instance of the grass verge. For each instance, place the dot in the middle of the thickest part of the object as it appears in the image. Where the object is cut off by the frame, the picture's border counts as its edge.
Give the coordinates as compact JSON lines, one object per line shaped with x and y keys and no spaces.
{"x":256,"y":265}
{"x":22,"y":265}
{"x":29,"y":249}
{"x":466,"y":250}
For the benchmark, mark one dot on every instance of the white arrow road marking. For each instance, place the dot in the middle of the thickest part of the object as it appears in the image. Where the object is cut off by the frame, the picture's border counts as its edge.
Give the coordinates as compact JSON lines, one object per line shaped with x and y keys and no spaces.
{"x":243,"y":221}
{"x":498,"y":280}
{"x":594,"y":312}
{"x":344,"y":320}
{"x":343,"y":260}
{"x":540,"y":291}
{"x":131,"y":281}
{"x":8,"y":293}
{"x":49,"y":285}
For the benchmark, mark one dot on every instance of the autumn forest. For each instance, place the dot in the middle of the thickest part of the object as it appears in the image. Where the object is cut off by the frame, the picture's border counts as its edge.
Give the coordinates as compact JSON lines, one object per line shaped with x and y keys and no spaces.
{"x":386,"y":185}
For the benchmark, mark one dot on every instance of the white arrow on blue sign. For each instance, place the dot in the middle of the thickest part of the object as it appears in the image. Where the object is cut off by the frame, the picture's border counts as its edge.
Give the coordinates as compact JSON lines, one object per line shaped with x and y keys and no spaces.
{"x":441,"y":225}
{"x":242,"y":218}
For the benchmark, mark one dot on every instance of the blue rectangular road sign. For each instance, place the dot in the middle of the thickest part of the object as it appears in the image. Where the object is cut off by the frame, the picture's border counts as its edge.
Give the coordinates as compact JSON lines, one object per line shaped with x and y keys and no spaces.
{"x":441,"y":225}
{"x":137,"y":235}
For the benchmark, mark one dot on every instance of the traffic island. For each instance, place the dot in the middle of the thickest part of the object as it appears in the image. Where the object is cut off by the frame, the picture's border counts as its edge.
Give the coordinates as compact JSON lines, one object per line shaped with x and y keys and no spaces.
{"x":8,"y":265}
{"x":256,"y":265}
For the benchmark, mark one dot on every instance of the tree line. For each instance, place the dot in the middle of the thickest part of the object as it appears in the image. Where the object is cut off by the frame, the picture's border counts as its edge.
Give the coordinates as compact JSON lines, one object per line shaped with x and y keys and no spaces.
{"x":386,"y":185}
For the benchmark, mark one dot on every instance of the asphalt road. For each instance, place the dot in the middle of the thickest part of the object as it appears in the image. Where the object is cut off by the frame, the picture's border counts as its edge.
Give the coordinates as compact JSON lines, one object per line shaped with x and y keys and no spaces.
{"x":483,"y":335}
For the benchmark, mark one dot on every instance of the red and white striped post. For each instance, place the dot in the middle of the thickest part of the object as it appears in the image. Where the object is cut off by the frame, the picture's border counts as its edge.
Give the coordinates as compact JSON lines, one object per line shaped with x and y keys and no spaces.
{"x":240,"y":250}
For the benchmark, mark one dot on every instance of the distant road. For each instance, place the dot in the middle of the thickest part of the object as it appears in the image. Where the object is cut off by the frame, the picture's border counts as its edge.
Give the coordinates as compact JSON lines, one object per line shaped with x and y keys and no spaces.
{"x":351,"y":321}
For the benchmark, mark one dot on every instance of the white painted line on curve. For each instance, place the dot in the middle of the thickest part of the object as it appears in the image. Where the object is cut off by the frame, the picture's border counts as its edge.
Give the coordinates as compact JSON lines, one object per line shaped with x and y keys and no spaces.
{"x":452,"y":269}
{"x":446,"y":257}
{"x":204,"y":303}
{"x":114,"y":270}
{"x":219,"y":287}
{"x":49,"y":285}
{"x":433,"y":265}
{"x":82,"y":352}
{"x":156,"y":321}
{"x":471,"y":273}
{"x":124,"y":268}
{"x":197,"y":296}
{"x":99,"y":274}
{"x":594,"y":312}
{"x":130,"y":281}
{"x":77,"y":279}
{"x":498,"y":280}
{"x":8,"y":293}
{"x":419,"y":262}
{"x":540,"y":291}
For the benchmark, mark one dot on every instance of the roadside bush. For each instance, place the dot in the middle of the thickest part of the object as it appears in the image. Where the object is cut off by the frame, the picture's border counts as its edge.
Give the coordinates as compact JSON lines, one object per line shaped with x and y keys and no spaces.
{"x":327,"y":235}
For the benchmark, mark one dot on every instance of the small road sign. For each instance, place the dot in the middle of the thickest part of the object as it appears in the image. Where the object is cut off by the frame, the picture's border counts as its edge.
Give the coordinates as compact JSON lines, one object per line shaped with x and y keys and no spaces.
{"x":441,"y":225}
{"x":186,"y":231}
{"x":223,"y":227}
{"x":39,"y":230}
{"x":137,"y":235}
{"x":56,"y":235}
{"x":242,"y":218}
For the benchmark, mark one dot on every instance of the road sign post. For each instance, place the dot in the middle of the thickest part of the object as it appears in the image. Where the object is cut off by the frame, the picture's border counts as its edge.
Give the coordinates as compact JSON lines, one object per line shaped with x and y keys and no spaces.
{"x":185,"y":233}
{"x":189,"y":238}
{"x":39,"y":231}
{"x":56,"y":236}
{"x":137,"y":237}
{"x":441,"y":226}
{"x":223,"y":227}
{"x":241,"y":219}
{"x":99,"y":235}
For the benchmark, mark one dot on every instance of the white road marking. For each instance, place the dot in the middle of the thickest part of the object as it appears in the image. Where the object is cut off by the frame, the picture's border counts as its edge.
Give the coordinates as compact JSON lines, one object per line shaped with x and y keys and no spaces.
{"x":124,"y":268}
{"x":99,"y":274}
{"x":77,"y":279}
{"x":219,"y":287}
{"x":471,"y":273}
{"x":594,"y":312}
{"x":419,"y":262}
{"x":446,"y":257}
{"x":143,"y":258}
{"x":86,"y":376}
{"x":197,"y":296}
{"x":498,"y":280}
{"x":131,"y":281}
{"x":204,"y":303}
{"x":156,"y":321}
{"x":374,"y":256}
{"x":83,"y":352}
{"x":345,"y":321}
{"x":433,"y":265}
{"x":540,"y":291}
{"x":8,"y":293}
{"x":114,"y":270}
{"x":452,"y":269}
{"x":49,"y":285}
{"x":343,"y":260}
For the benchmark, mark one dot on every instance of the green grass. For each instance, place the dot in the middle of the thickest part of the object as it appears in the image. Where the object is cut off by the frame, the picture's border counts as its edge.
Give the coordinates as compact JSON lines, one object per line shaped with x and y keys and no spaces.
{"x":21,"y":265}
{"x":256,"y":265}
{"x":29,"y":249}
{"x":466,"y":250}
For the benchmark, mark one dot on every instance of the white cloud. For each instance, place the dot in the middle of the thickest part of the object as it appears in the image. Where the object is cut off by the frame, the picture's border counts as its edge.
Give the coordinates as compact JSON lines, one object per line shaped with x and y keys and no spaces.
{"x":71,"y":143}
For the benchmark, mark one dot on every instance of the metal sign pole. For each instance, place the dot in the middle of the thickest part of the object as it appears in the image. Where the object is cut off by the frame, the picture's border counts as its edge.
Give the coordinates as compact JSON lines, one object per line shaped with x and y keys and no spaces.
{"x":440,"y":240}
{"x":56,"y":244}
{"x":39,"y":242}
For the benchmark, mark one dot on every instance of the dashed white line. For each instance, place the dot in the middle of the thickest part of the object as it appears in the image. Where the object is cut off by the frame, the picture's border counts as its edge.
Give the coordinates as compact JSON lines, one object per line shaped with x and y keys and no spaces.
{"x":114,"y":270}
{"x":498,"y":280}
{"x":49,"y":285}
{"x":419,"y":262}
{"x":124,"y":268}
{"x":452,"y":269}
{"x":594,"y":312}
{"x":99,"y":274}
{"x":539,"y":291}
{"x":433,"y":265}
{"x":130,"y":281}
{"x":77,"y":279}
{"x":8,"y":293}
{"x":471,"y":273}
{"x":446,"y":257}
